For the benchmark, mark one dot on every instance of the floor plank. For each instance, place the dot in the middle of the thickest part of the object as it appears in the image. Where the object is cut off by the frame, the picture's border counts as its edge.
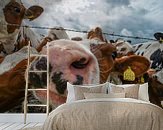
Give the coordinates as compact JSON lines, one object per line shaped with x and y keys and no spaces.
{"x":6,"y":125}
{"x":39,"y":124}
{"x":13,"y":126}
{"x":18,"y":126}
{"x":30,"y":125}
{"x":1,"y":124}
{"x":19,"y":118}
{"x":21,"y":126}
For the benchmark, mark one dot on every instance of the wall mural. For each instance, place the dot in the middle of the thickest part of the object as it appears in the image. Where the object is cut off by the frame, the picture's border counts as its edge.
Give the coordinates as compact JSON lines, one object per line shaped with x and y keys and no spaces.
{"x":79,"y":61}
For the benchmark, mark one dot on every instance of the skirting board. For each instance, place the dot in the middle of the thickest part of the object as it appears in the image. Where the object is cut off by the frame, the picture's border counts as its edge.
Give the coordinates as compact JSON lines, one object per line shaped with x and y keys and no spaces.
{"x":34,"y":117}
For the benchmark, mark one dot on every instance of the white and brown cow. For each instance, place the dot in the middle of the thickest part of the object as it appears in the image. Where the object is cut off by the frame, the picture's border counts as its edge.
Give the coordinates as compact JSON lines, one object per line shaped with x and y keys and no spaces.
{"x":69,"y":61}
{"x":12,"y":37}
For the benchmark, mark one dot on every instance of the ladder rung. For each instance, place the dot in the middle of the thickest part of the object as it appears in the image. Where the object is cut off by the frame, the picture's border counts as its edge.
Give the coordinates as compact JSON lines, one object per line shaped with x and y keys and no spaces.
{"x":41,"y":55}
{"x":40,"y":71}
{"x":32,"y":89}
{"x":36,"y":105}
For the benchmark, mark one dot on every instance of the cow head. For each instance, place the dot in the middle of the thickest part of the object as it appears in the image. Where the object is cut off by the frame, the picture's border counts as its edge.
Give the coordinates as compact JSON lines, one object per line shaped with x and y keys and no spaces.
{"x":14,"y":12}
{"x":104,"y":54}
{"x":70,"y":61}
{"x":123,"y":48}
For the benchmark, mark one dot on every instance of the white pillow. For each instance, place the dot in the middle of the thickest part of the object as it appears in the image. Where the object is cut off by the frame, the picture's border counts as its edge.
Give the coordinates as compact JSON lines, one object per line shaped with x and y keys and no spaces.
{"x":120,"y":85}
{"x":142,"y":92}
{"x":131,"y":91}
{"x":103,"y":95}
{"x":76,"y":92}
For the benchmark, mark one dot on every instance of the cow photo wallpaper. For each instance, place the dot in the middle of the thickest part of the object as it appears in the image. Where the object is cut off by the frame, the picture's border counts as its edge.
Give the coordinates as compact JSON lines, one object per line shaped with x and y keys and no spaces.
{"x":81,"y":42}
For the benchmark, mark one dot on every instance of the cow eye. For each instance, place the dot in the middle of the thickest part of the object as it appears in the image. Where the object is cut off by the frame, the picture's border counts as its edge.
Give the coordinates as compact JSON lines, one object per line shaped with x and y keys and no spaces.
{"x":114,"y":55}
{"x":16,"y":9}
{"x":123,"y":49}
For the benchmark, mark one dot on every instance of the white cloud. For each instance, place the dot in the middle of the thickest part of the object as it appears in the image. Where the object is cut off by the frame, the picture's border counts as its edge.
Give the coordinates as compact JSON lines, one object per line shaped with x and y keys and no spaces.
{"x":152,"y":8}
{"x":126,"y":32}
{"x":135,"y":17}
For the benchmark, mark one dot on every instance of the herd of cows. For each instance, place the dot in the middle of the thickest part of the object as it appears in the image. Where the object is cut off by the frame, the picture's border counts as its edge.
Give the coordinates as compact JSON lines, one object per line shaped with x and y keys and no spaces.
{"x":91,"y":60}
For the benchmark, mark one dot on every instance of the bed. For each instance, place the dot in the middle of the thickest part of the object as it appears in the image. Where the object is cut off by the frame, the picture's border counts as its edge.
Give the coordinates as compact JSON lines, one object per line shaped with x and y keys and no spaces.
{"x":106,"y":114}
{"x":101,"y":111}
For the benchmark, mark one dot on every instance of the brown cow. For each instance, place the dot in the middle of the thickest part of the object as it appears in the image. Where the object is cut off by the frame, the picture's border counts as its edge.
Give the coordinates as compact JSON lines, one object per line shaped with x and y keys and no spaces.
{"x":12,"y":37}
{"x":12,"y":87}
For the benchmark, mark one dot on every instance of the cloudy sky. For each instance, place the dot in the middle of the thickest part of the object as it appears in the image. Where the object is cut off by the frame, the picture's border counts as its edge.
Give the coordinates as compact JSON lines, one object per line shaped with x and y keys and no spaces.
{"x":125,"y":17}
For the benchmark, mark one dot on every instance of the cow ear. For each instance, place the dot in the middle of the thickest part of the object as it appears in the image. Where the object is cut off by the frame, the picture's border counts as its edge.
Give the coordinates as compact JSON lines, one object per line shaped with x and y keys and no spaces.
{"x":138,"y":64}
{"x":33,"y":12}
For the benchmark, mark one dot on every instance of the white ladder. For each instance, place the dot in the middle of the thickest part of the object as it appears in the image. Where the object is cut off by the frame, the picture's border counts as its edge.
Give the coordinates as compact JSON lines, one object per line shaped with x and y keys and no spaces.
{"x":26,"y":105}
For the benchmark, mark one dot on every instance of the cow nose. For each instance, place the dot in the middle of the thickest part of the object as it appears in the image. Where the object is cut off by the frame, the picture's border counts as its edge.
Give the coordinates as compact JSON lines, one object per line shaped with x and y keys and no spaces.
{"x":61,"y":85}
{"x":79,"y":80}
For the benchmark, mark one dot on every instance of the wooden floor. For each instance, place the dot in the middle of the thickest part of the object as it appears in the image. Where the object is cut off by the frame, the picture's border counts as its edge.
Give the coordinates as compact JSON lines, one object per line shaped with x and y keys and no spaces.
{"x":16,"y":121}
{"x":17,"y":126}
